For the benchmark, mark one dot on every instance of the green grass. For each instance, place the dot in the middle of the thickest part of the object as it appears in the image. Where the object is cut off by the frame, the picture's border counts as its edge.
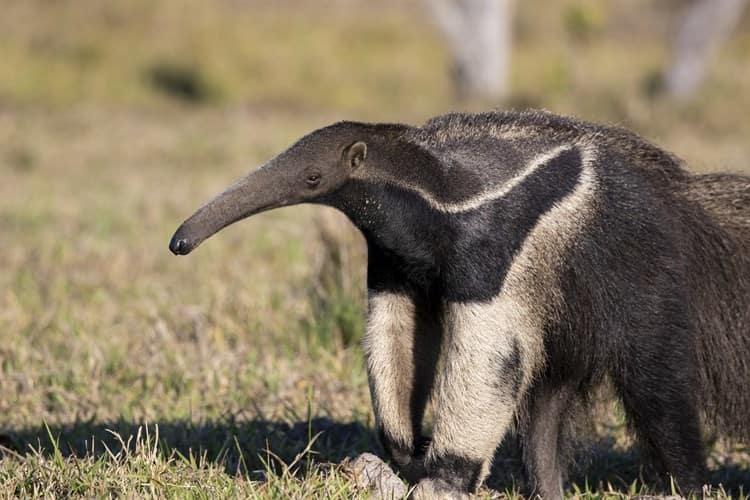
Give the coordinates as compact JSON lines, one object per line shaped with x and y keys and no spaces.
{"x":118,"y":118}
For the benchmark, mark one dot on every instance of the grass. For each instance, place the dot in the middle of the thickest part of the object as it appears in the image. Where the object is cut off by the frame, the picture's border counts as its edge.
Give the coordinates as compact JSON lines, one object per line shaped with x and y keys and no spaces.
{"x":236,"y":372}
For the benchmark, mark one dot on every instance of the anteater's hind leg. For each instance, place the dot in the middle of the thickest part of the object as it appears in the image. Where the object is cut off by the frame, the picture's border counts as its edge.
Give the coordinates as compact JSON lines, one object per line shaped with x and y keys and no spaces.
{"x":402,"y":345}
{"x":541,"y":440}
{"x":657,"y":382}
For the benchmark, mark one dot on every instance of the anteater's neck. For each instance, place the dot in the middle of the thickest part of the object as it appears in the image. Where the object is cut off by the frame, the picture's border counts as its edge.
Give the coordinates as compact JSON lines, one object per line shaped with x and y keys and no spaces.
{"x":397,"y":223}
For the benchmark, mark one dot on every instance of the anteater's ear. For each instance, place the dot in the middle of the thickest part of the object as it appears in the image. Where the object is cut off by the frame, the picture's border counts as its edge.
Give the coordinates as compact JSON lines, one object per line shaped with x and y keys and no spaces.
{"x":355,"y":155}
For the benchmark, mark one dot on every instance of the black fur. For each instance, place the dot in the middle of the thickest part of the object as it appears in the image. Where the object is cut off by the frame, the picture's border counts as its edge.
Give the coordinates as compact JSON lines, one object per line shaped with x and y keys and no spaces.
{"x":466,"y":255}
{"x":509,"y":368}
{"x":455,"y":471}
{"x":487,"y":239}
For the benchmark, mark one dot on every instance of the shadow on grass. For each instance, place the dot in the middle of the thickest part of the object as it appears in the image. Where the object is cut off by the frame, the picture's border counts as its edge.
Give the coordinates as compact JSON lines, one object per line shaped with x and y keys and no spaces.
{"x":241,"y":448}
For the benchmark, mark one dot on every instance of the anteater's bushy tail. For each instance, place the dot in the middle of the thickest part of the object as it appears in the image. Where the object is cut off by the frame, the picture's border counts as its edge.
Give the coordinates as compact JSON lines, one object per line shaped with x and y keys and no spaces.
{"x":721,"y":292}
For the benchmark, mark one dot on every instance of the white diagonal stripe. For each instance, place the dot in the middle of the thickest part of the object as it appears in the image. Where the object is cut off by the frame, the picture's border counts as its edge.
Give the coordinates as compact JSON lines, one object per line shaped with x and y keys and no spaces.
{"x":493,"y":194}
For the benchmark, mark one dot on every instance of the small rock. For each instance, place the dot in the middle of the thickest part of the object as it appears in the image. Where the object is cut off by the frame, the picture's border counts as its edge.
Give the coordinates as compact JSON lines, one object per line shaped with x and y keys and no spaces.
{"x":371,"y":473}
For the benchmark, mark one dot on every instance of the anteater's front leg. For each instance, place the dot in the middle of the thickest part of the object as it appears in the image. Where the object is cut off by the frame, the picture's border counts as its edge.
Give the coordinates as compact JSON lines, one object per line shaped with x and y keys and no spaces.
{"x":402,"y":345}
{"x":483,"y":380}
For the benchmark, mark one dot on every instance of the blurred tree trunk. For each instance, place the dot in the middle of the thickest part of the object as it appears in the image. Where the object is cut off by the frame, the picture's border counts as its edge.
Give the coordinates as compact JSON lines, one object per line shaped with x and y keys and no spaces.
{"x":478,"y":33}
{"x":705,"y":26}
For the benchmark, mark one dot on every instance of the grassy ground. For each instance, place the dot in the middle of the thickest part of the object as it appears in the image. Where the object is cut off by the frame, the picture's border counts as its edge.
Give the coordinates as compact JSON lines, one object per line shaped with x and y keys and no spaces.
{"x":237,"y":372}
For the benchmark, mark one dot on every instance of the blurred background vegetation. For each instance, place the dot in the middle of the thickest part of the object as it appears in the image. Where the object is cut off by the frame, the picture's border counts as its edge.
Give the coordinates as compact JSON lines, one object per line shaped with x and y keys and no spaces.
{"x":117,"y":119}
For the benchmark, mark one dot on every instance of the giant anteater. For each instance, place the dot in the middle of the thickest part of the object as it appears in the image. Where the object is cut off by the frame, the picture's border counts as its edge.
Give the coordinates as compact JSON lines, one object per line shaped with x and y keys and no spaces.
{"x":535,"y":256}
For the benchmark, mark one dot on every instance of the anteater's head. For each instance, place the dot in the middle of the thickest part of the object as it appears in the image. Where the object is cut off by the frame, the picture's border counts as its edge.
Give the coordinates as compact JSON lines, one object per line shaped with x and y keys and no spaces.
{"x":317,"y":165}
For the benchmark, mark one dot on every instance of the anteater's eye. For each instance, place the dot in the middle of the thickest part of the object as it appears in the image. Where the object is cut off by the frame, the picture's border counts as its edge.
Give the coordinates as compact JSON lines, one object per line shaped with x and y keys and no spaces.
{"x":313,"y":180}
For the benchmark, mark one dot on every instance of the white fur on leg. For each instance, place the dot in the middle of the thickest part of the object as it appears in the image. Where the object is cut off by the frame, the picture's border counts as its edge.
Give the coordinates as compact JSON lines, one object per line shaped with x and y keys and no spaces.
{"x":388,"y":346}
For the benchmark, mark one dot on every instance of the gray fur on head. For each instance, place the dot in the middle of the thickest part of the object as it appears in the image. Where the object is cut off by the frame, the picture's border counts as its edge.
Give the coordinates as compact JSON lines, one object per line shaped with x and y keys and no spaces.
{"x":535,"y":256}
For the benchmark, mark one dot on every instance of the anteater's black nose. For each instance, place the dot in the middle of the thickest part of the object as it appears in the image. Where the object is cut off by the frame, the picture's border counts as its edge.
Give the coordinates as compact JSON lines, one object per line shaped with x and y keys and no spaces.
{"x":179,"y":246}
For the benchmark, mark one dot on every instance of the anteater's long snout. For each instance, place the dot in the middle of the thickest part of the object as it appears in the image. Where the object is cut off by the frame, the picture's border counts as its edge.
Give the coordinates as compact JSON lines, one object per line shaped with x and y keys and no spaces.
{"x":261,"y":190}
